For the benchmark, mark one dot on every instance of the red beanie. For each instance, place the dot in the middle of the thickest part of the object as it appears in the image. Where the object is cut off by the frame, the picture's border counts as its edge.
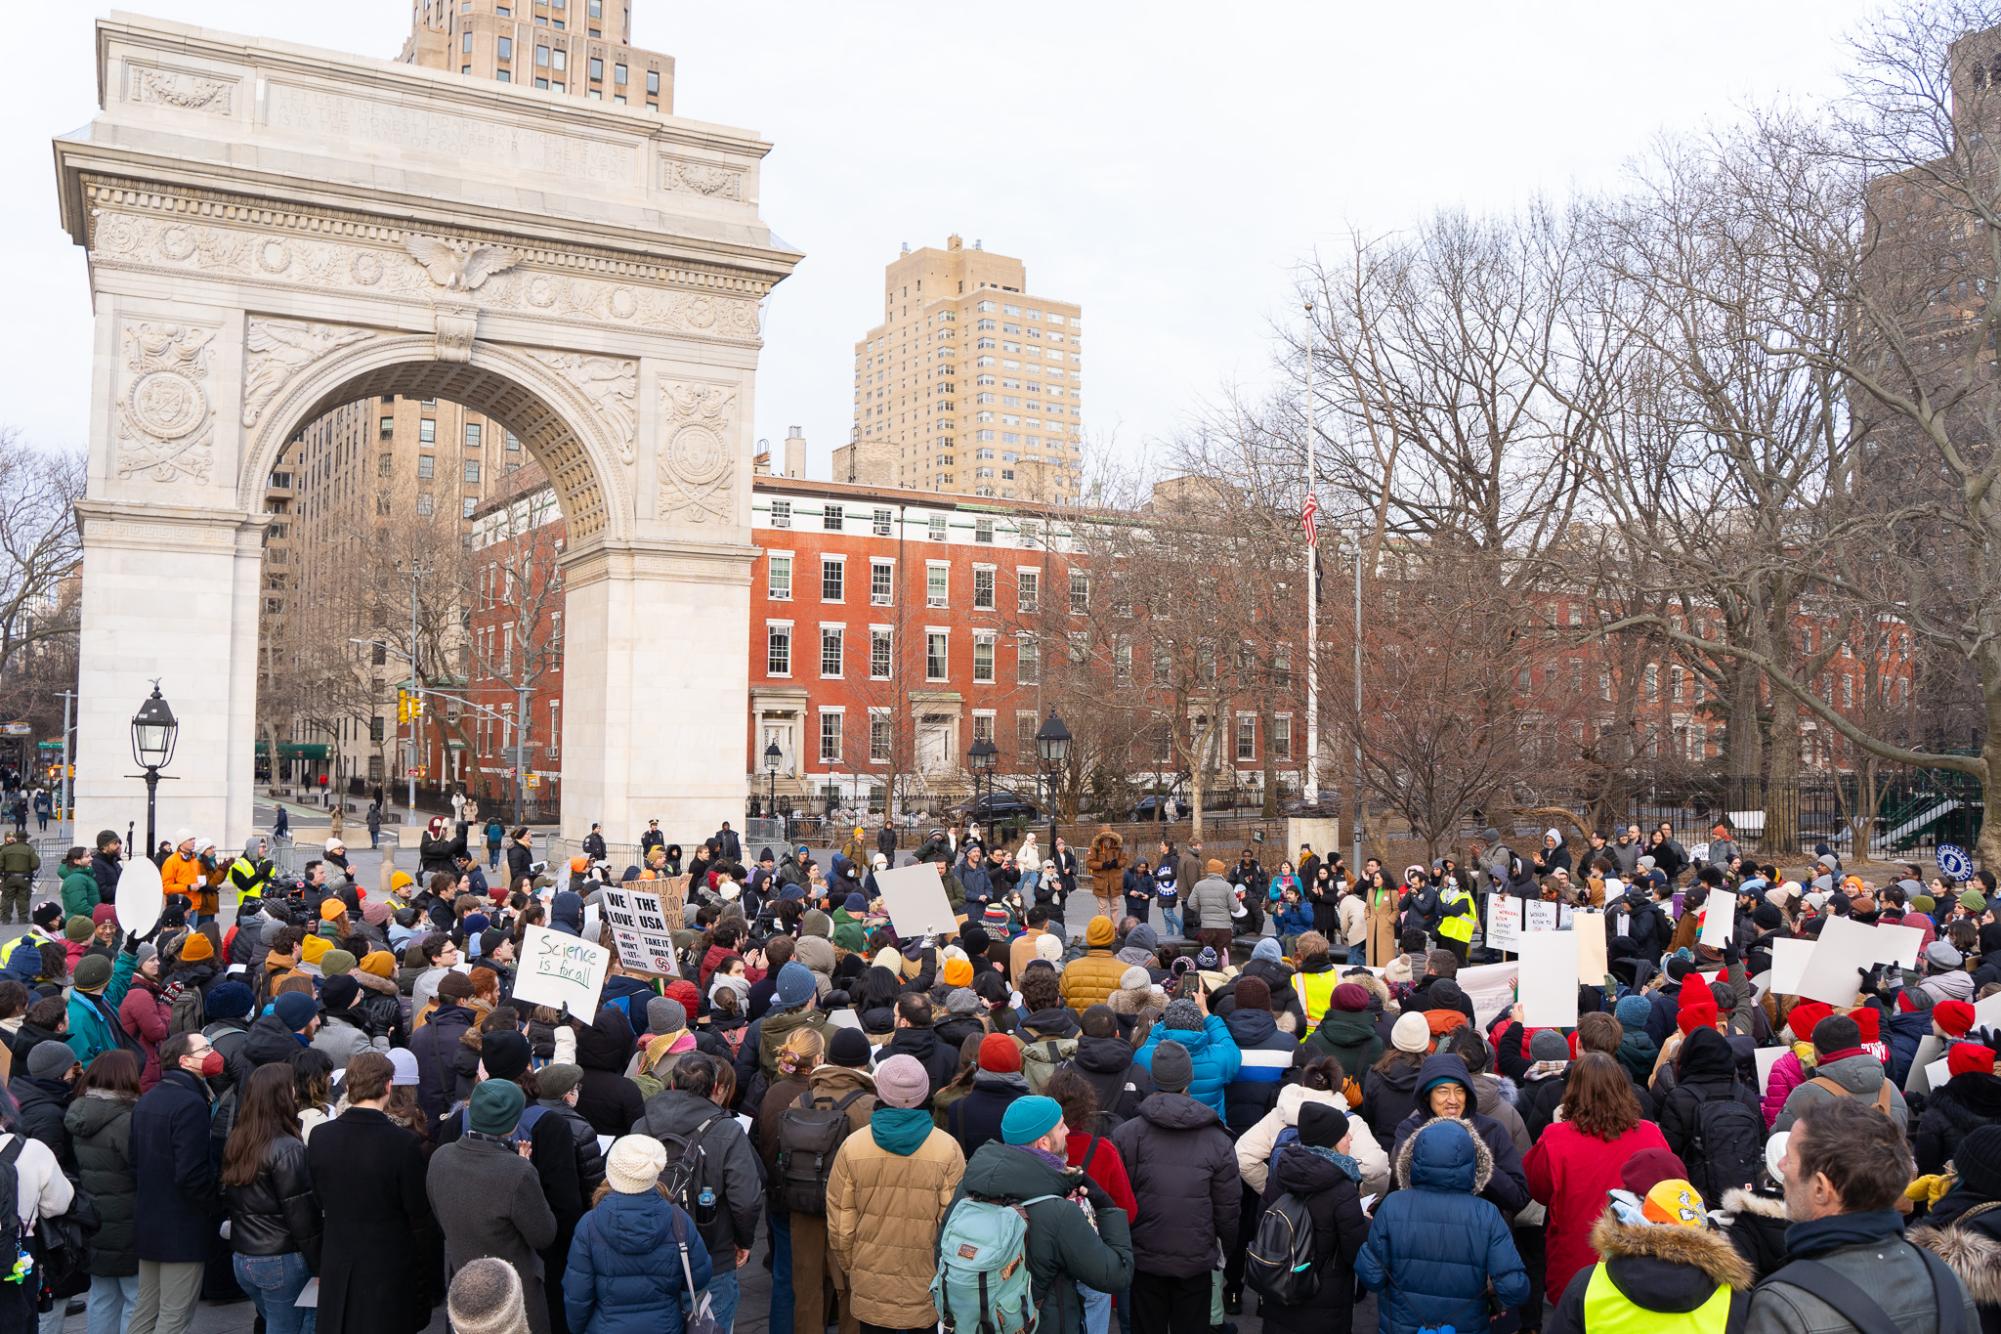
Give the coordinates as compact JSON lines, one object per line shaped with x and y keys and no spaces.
{"x":1694,"y":992}
{"x":682,"y":990}
{"x":1805,"y":1015}
{"x":1000,"y":1054}
{"x":1965,"y":1057}
{"x":1953,"y":1017}
{"x":1693,"y":1017}
{"x":1869,"y":1020}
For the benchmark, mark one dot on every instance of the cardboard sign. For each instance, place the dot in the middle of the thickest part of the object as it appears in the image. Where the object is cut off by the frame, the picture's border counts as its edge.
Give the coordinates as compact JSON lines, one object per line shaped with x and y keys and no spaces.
{"x":1789,"y":964}
{"x":1491,"y":988}
{"x":141,"y":897}
{"x":1719,"y":915}
{"x":1548,"y":979}
{"x":1938,"y":1074}
{"x":1834,"y":972}
{"x":1592,"y":964}
{"x":557,"y":970}
{"x":639,"y":930}
{"x":915,"y":897}
{"x":1538,"y":916}
{"x":1504,"y":922}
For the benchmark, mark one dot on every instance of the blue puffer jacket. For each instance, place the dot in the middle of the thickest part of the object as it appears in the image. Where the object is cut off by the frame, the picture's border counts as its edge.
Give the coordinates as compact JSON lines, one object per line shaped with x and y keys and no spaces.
{"x":1212,"y":1052}
{"x":1435,"y":1246}
{"x":1904,"y":1032}
{"x":1292,"y":919}
{"x":624,"y":1275}
{"x":1266,"y":1052}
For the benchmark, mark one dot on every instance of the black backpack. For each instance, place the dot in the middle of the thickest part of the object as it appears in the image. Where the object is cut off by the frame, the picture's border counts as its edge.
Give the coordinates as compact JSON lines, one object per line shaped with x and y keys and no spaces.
{"x":810,"y":1133}
{"x":687,"y":1163}
{"x":1728,"y":1144}
{"x":1280,"y":1263}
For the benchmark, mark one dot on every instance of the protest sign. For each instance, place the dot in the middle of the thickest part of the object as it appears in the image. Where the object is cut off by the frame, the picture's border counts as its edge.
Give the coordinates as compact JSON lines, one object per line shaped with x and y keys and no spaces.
{"x":1903,"y":943}
{"x":1491,"y":989}
{"x":1767,"y":1057}
{"x":1719,"y":915}
{"x":141,"y":896}
{"x":1930,"y":1049}
{"x":1592,"y":965}
{"x":1788,"y":964}
{"x":557,"y":970}
{"x":915,"y":897}
{"x":1504,"y":921}
{"x":1548,"y":979}
{"x":1938,"y":1073}
{"x":639,"y":930}
{"x":1833,"y":972}
{"x":1987,"y":1013}
{"x":1538,"y":916}
{"x":1564,"y":914}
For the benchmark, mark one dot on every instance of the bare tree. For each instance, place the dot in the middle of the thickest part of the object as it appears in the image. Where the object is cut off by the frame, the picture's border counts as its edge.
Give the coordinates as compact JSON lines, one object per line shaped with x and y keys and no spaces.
{"x":40,"y":546}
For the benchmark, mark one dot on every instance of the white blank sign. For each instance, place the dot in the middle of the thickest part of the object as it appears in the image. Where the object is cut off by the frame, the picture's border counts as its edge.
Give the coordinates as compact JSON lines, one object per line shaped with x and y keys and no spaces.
{"x":1788,"y":964}
{"x":915,"y":897}
{"x":1548,"y":979}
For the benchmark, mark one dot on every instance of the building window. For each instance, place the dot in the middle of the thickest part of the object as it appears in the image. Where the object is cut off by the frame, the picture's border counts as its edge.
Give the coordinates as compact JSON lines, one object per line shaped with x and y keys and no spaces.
{"x":1027,"y":589}
{"x":830,"y":738}
{"x":597,"y":67}
{"x":1080,"y":593}
{"x":832,"y":641}
{"x":778,"y":577}
{"x":555,"y":728}
{"x":778,"y":650}
{"x":937,"y":584}
{"x":472,"y":470}
{"x":1028,"y":661}
{"x":561,"y":55}
{"x":833,"y":580}
{"x":386,"y":429}
{"x":465,"y":41}
{"x":1025,"y":725}
{"x":880,"y":642}
{"x":424,"y":505}
{"x":1281,"y":738}
{"x":385,"y":465}
{"x":983,"y":659}
{"x":936,"y":531}
{"x":375,"y":732}
{"x":983,"y":588}
{"x":652,"y":82}
{"x":427,"y":467}
{"x":983,"y":727}
{"x":781,"y":514}
{"x":1247,"y":737}
{"x":1122,"y":664}
{"x":513,"y":442}
{"x":830,"y":518}
{"x":504,"y":48}
{"x":427,"y":431}
{"x":983,"y":532}
{"x":467,"y":505}
{"x":878,"y":736}
{"x":618,"y":73}
{"x":936,"y":655}
{"x":881,"y":583}
{"x":541,"y":57}
{"x":473,"y":434}
{"x":881,"y":522}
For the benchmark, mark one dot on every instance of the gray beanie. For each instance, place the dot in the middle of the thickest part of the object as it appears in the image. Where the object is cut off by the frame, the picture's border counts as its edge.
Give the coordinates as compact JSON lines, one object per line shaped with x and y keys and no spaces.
{"x":1182,"y":1014}
{"x":268,"y":936}
{"x":962,"y":1000}
{"x":50,"y":1059}
{"x":486,"y":1298}
{"x":666,"y":1015}
{"x":1173,"y":1072}
{"x":1548,"y":1045}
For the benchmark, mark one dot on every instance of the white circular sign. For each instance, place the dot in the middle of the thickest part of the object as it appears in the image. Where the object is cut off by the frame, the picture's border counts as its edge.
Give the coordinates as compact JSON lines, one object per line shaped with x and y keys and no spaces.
{"x":141,"y":896}
{"x":1954,"y":862}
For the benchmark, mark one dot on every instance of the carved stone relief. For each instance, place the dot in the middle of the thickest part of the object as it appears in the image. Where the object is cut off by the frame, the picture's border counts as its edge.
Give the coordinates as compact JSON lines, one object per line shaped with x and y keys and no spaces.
{"x":165,"y":419}
{"x":688,"y":176}
{"x":178,"y":88}
{"x":275,"y":351}
{"x":698,"y":462}
{"x":609,"y":384}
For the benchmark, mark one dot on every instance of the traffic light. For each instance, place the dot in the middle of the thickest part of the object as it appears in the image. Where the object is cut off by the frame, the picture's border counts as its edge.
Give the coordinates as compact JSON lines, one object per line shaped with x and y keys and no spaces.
{"x":408,"y":706}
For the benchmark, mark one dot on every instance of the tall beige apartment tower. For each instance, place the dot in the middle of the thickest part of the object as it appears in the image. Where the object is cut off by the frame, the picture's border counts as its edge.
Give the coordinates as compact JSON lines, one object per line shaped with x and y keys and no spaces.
{"x":970,"y":384}
{"x":393,"y":461}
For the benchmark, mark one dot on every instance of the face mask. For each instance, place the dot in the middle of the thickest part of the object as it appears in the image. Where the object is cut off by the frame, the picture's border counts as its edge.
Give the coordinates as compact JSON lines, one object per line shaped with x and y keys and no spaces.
{"x":211,"y":1063}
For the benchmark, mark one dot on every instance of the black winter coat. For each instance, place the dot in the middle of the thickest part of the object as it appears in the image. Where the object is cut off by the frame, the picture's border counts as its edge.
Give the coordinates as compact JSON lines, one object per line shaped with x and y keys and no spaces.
{"x":1388,"y":1096}
{"x":42,"y":1103}
{"x":729,"y":1167}
{"x":1339,"y":1229}
{"x":368,"y":1174}
{"x":174,"y":1170}
{"x":1120,"y":1082}
{"x":976,"y":1118}
{"x":1183,"y":1168}
{"x":277,"y":1214}
{"x":100,"y":1130}
{"x":436,"y":1047}
{"x":939,"y":1061}
{"x":1537,"y":1099}
{"x":269,"y":1042}
{"x":1707,"y":1074}
{"x":1964,"y":1105}
{"x":590,"y":1158}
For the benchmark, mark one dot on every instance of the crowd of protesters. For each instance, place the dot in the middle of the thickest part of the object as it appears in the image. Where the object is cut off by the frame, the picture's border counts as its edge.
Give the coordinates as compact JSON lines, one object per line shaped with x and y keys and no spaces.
{"x":1277,"y":1096}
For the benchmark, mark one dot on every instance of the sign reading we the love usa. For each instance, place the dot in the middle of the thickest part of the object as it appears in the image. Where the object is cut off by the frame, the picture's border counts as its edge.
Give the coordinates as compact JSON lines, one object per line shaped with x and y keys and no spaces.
{"x":557,"y":970}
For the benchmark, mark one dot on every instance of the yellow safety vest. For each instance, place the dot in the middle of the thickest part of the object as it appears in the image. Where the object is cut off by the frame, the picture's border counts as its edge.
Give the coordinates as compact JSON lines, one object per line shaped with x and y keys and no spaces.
{"x":1607,"y":1311}
{"x":1459,"y":926}
{"x":1316,"y":993}
{"x":249,"y":887}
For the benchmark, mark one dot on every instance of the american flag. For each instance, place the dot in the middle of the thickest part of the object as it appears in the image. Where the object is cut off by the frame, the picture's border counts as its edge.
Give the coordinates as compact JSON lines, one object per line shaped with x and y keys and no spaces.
{"x":1307,"y":517}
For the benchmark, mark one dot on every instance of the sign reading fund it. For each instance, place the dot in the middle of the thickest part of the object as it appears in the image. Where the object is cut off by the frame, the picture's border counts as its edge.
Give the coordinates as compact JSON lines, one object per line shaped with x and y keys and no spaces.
{"x":558,"y":970}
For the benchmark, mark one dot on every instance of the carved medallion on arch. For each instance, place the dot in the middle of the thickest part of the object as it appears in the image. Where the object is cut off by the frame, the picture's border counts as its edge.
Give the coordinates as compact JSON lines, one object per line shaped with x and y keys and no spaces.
{"x":165,"y":412}
{"x":698,"y":464}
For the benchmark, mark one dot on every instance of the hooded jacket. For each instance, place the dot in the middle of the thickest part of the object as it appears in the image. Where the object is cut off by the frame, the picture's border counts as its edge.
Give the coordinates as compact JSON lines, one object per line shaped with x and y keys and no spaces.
{"x":1350,"y":1037}
{"x":1183,"y":1170}
{"x":1107,"y":864}
{"x":1120,"y":1082}
{"x":886,"y":1197}
{"x":1707,"y":1074}
{"x":939,"y":1061}
{"x":1861,"y":1074}
{"x":1209,"y":904}
{"x":1965,"y":1104}
{"x":1063,"y":1248}
{"x":1255,"y":1146}
{"x":1506,"y":1183}
{"x":1267,"y":1057}
{"x":1333,"y":1201}
{"x":1389,"y":1096}
{"x":1660,"y":1268}
{"x":1436,"y":1245}
{"x":1211,"y":1051}
{"x":975,"y":1119}
{"x":729,"y":1167}
{"x":100,"y":1131}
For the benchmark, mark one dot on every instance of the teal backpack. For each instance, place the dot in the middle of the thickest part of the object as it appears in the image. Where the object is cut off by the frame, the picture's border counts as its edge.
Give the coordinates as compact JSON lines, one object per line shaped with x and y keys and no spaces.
{"x":982,"y":1284}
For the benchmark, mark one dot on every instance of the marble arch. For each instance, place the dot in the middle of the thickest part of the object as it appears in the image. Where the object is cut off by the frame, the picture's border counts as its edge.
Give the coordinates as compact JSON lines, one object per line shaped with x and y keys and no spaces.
{"x":273,"y":230}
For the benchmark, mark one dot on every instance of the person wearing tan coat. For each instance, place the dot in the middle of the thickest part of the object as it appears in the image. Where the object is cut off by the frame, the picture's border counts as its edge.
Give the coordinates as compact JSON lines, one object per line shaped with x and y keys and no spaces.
{"x":886,"y":1199}
{"x":1107,"y":865}
{"x":820,"y":1284}
{"x":1092,"y":979}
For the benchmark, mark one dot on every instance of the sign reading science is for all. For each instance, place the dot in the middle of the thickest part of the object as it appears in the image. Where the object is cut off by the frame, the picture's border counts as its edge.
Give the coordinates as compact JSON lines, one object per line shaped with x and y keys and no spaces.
{"x":558,"y":970}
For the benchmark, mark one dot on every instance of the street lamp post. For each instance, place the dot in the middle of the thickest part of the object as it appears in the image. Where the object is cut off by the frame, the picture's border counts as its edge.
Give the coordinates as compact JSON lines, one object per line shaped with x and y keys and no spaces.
{"x":154,"y":732}
{"x":981,"y":760}
{"x":1052,"y":747}
{"x":772,"y":755}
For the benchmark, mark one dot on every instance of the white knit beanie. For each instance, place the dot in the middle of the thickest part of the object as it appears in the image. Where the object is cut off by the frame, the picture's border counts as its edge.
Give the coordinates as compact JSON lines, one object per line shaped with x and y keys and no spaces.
{"x":486,"y":1298}
{"x":634,"y":1164}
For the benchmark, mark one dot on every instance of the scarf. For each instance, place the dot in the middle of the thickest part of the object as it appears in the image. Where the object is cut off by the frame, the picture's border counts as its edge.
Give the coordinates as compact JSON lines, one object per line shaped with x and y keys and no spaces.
{"x":1805,"y":1241}
{"x":1047,"y":1157}
{"x":900,"y":1130}
{"x":1349,"y":1168}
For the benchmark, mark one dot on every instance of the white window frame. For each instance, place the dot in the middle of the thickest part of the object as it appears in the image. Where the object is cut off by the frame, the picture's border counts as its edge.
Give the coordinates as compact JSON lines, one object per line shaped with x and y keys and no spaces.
{"x":991,"y":642}
{"x":791,"y":647}
{"x":944,"y":632}
{"x":771,"y":563}
{"x":1033,"y":602}
{"x":942,"y":599}
{"x":883,"y":719}
{"x":839,"y":562}
{"x":887,"y":634}
{"x":835,"y":712}
{"x":992,"y":572}
{"x":876,"y":566}
{"x":840,"y":633}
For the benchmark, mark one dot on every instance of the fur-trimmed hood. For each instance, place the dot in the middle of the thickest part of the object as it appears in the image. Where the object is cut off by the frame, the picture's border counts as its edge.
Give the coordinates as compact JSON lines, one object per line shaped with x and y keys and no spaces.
{"x":1147,"y":1003}
{"x":1697,"y":1247}
{"x":1969,"y":1253}
{"x":1445,"y":1154}
{"x":1739,"y":1201}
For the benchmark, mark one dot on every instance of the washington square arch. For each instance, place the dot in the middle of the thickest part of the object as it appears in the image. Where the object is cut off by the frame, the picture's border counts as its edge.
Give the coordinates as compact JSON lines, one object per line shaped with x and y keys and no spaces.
{"x":273,"y":231}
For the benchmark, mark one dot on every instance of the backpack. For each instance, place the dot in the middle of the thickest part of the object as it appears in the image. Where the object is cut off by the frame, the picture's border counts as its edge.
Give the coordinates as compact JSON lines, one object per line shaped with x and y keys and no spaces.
{"x":687,"y":1163}
{"x":1286,"y":1135}
{"x":1279,"y":1263}
{"x":982,"y":1284}
{"x":187,"y":1013}
{"x":810,"y":1133}
{"x":10,"y":1179}
{"x":1729,"y":1144}
{"x":1040,"y":1059}
{"x":524,"y":1129}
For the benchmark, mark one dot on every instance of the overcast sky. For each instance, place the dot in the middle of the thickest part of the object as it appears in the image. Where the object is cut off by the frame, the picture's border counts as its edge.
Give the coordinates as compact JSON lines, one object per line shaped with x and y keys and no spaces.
{"x":1164,"y":169}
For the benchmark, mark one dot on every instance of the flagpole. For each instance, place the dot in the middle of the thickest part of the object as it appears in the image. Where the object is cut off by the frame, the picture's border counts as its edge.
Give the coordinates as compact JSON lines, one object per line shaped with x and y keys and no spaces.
{"x":1310,"y":778}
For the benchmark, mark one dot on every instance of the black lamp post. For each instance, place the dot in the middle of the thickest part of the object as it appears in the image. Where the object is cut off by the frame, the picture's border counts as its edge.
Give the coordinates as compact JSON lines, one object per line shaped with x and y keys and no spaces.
{"x":154,"y":732}
{"x":981,"y":760}
{"x":1052,"y":746}
{"x":772,"y":755}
